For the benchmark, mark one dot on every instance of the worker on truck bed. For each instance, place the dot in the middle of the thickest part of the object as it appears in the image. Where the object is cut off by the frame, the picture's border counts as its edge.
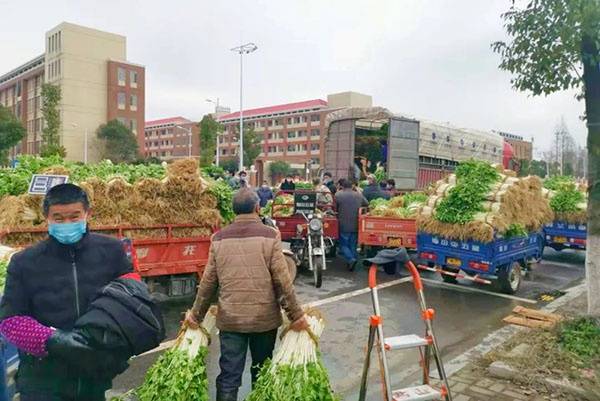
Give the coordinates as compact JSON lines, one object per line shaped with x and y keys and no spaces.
{"x":48,"y":287}
{"x":348,"y":203}
{"x":247,"y":265}
{"x":373,"y":190}
{"x":288,"y":184}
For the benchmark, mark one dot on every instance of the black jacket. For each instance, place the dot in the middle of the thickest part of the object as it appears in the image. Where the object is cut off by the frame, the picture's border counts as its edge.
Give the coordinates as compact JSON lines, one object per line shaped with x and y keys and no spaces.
{"x":288,"y":186}
{"x":375,"y":192}
{"x":54,"y":284}
{"x":123,"y":319}
{"x":331,"y":186}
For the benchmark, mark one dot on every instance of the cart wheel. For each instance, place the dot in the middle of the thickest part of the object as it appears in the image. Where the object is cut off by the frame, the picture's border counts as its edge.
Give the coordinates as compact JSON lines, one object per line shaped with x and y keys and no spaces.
{"x":509,"y":279}
{"x":449,"y":279}
{"x":318,"y":271}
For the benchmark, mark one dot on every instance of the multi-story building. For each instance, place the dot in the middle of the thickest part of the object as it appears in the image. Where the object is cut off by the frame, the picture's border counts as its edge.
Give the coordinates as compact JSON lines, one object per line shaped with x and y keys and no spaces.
{"x":293,"y":132}
{"x":171,"y":138}
{"x":96,"y":83}
{"x":522,"y":149}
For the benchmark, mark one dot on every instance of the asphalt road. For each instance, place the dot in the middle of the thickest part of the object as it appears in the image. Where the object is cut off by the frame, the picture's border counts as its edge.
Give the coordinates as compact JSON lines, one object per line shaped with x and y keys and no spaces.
{"x":463,"y":318}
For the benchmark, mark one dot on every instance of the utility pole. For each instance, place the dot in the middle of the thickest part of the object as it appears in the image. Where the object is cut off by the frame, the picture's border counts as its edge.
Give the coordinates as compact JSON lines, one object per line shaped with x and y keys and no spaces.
{"x":241,"y":50}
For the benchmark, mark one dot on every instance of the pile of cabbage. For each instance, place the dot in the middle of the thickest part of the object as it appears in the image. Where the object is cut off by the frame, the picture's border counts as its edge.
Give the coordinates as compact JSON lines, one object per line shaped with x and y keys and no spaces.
{"x":403,"y":206}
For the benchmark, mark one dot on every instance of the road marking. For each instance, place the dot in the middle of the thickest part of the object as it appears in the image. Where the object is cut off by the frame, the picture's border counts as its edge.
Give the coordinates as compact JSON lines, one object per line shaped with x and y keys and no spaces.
{"x":355,"y":293}
{"x":465,"y":288}
{"x":168,"y":344}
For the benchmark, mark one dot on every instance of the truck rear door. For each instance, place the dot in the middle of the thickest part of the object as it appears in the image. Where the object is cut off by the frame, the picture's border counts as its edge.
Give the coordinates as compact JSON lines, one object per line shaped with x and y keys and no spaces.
{"x":403,"y":152}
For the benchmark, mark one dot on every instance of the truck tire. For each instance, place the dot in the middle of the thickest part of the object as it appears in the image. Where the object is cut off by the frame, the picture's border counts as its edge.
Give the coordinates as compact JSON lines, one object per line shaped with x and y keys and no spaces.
{"x":449,"y":279}
{"x":509,"y":279}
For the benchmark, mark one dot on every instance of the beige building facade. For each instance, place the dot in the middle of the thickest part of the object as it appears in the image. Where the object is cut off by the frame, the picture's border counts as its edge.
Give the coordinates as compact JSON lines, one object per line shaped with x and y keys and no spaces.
{"x":76,"y":59}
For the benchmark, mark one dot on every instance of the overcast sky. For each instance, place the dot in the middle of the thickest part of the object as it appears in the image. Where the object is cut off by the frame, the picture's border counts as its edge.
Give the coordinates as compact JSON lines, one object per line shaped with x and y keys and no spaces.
{"x":428,"y":58}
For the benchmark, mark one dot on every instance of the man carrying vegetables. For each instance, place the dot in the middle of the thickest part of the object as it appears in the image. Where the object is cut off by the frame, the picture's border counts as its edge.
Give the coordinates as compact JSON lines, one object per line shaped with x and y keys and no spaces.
{"x":247,"y":266}
{"x":48,"y":287}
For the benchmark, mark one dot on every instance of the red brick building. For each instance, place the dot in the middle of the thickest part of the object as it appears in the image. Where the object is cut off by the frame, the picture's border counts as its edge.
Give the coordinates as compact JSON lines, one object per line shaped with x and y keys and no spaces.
{"x":292,"y":132}
{"x":169,"y":138}
{"x":126,"y":97}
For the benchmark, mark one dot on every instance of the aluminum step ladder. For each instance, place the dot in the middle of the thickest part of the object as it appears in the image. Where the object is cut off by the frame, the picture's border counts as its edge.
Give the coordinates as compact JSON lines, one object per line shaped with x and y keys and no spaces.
{"x":426,"y":344}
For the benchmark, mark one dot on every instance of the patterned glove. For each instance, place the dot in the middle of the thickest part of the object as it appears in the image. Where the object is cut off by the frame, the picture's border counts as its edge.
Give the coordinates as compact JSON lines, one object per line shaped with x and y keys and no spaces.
{"x":27,"y":334}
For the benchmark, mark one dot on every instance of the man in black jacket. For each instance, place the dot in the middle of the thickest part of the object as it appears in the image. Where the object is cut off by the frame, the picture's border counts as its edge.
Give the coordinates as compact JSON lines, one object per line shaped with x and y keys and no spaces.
{"x":50,"y":285}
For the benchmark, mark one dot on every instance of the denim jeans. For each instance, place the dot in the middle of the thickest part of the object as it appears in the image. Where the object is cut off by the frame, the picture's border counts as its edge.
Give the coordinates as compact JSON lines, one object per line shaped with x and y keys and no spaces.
{"x":234,"y":347}
{"x":348,"y":244}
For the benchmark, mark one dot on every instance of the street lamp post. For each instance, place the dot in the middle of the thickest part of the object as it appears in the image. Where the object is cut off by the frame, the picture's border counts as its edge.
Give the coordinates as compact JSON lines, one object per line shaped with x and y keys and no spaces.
{"x":189,"y":131}
{"x":241,"y":50}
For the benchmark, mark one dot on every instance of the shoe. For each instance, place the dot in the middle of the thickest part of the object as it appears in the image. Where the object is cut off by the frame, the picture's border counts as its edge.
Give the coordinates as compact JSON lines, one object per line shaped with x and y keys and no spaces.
{"x":227,"y":395}
{"x":352,"y":265}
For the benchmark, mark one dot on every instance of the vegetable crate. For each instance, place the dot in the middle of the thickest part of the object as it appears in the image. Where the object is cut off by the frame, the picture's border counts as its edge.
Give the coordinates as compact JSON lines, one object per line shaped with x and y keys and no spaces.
{"x":560,"y":235}
{"x":386,"y":231}
{"x":501,"y":261}
{"x":168,"y":263}
{"x":287,"y":226}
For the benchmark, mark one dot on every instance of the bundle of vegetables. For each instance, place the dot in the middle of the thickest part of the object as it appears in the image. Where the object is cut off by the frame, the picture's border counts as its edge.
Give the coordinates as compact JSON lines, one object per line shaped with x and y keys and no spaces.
{"x":296,"y":372}
{"x":180,"y":373}
{"x":137,"y":195}
{"x":568,"y":199}
{"x":403,"y":206}
{"x":304,"y":185}
{"x":266,"y":211}
{"x":482,"y":201}
{"x":283,"y":206}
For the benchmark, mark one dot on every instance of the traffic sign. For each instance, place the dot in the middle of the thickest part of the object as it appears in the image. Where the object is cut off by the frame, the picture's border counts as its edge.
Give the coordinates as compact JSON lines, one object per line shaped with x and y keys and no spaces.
{"x":41,"y":183}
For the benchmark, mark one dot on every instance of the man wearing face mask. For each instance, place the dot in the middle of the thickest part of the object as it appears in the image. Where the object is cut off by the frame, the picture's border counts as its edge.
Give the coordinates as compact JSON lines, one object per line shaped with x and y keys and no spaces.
{"x":49,"y":286}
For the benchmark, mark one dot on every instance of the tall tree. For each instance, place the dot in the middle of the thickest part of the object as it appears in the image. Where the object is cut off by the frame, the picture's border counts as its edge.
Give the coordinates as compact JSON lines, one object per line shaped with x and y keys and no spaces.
{"x":209,"y":129}
{"x":279,"y":169}
{"x":555,"y":45}
{"x":51,"y":96}
{"x":120,"y":144}
{"x":252,"y":146}
{"x":11,"y":133}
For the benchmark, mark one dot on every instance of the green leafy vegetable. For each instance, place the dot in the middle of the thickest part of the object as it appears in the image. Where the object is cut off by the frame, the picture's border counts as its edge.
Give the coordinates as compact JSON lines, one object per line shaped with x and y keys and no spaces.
{"x":3,"y":269}
{"x":224,"y":194}
{"x":474,"y":179}
{"x":296,"y":372}
{"x":515,"y":230}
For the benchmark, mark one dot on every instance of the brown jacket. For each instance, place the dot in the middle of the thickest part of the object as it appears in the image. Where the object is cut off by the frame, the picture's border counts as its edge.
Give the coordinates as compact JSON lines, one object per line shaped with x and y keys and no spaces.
{"x":247,"y":265}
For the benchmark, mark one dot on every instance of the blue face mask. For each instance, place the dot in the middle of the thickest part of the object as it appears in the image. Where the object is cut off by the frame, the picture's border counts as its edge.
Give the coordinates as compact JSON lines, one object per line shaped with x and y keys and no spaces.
{"x":68,"y":233}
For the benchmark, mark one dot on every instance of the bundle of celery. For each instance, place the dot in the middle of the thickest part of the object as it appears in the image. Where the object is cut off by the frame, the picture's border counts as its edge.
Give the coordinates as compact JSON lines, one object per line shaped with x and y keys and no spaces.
{"x":180,"y":373}
{"x":296,"y":372}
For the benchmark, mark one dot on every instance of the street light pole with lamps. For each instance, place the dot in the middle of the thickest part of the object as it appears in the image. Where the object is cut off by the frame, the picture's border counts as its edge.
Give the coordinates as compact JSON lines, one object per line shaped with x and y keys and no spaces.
{"x":189,"y":131}
{"x":241,"y":50}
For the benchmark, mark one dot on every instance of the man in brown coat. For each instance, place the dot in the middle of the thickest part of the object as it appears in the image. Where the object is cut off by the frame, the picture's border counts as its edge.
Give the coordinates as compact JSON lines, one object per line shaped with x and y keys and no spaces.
{"x":247,"y":266}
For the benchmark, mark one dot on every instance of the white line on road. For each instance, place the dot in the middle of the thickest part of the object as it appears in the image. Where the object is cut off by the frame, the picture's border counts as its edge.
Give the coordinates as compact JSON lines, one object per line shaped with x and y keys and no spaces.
{"x":351,"y":294}
{"x":465,"y":288}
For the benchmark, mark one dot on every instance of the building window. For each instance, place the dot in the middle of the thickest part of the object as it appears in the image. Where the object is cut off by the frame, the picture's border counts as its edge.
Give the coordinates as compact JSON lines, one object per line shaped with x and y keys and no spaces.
{"x":315,"y":133}
{"x":133,"y":79}
{"x":315,"y":146}
{"x":433,"y":135}
{"x":292,"y":134}
{"x":133,"y":101}
{"x":121,"y":76}
{"x":447,"y":138}
{"x":121,"y":100}
{"x":133,"y":125}
{"x":290,"y":120}
{"x":302,"y":134}
{"x":315,"y":118}
{"x":122,"y":120}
